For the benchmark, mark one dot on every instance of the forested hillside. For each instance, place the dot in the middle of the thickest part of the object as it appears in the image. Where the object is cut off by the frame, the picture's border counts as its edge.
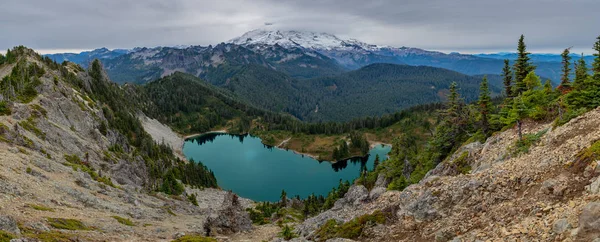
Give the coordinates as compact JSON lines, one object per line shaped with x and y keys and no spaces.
{"x":386,"y":88}
{"x":113,"y":108}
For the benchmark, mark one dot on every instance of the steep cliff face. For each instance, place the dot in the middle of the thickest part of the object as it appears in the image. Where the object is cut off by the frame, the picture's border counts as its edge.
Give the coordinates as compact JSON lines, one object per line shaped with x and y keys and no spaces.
{"x":547,"y":193}
{"x":67,"y":173}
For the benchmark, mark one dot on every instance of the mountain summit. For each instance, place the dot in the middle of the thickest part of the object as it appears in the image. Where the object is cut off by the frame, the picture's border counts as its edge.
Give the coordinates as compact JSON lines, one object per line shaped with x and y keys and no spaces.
{"x":302,"y":39}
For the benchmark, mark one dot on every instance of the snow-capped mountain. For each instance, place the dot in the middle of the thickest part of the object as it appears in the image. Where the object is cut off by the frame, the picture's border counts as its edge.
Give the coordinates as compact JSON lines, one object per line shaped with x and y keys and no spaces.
{"x":299,"y":39}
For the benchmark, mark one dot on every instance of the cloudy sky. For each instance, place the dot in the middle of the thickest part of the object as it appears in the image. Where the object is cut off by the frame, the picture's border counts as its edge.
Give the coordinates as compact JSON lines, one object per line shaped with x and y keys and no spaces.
{"x":467,"y":26}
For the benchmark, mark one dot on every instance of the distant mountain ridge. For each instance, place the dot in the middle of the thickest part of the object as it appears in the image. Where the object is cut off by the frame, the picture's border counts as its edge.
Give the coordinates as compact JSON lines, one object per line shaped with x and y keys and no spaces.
{"x":536,"y":57}
{"x":300,"y":54}
{"x":85,"y":57}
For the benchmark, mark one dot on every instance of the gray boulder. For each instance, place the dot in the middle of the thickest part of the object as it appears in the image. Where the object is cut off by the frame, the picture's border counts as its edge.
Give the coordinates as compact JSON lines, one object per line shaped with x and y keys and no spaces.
{"x":356,"y":195}
{"x":589,"y":222}
{"x":561,"y":225}
{"x":8,"y":224}
{"x":231,"y":219}
{"x":376,"y":192}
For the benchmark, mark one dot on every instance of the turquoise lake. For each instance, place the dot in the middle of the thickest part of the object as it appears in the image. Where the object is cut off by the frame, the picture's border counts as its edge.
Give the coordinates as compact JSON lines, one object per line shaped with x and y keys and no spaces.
{"x":259,"y":172}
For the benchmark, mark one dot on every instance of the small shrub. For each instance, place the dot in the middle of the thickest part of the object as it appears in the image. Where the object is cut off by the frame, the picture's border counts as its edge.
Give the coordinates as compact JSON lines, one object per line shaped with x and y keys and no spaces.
{"x":40,"y":207}
{"x":39,"y":110}
{"x":169,"y":211}
{"x":67,"y":224}
{"x":31,"y":125}
{"x":4,"y":108}
{"x":352,"y":229}
{"x":287,"y":233}
{"x":522,"y":146}
{"x":192,"y":199}
{"x":23,"y":151}
{"x":462,"y":163}
{"x":124,"y":221}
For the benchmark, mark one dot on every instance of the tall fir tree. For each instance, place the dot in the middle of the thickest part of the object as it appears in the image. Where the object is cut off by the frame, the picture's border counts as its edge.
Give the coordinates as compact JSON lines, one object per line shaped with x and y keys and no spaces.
{"x":581,"y":72}
{"x":454,"y":106}
{"x":507,"y":77}
{"x":522,"y":67}
{"x":596,"y":64}
{"x":376,"y":162}
{"x":485,"y":106}
{"x":565,"y":82}
{"x":283,"y":198}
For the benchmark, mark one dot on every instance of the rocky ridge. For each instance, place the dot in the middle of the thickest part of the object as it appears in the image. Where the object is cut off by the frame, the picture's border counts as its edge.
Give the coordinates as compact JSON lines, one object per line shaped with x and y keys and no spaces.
{"x":38,"y":186}
{"x":546,"y":194}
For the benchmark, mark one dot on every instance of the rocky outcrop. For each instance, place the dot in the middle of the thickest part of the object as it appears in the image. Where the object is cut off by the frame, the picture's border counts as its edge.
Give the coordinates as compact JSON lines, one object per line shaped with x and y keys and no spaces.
{"x":589,"y":222}
{"x":37,"y":182}
{"x":8,"y":224}
{"x":232,"y":218}
{"x":543,"y":194}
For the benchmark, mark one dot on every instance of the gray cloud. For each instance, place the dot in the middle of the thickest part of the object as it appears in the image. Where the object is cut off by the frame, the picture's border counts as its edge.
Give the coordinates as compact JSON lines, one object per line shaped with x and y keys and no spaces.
{"x":460,"y":25}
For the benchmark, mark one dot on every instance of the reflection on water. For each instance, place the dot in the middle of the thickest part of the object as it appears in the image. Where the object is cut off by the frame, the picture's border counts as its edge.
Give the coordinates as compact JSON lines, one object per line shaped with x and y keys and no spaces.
{"x":244,"y":165}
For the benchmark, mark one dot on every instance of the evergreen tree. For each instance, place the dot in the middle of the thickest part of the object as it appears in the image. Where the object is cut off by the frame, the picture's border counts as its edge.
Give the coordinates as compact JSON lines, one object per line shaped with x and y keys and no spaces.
{"x":376,"y":162}
{"x":454,"y":103}
{"x":565,"y":82}
{"x":522,"y":67}
{"x":507,"y":77}
{"x":596,"y":64}
{"x":283,"y":198}
{"x":581,"y":72}
{"x":485,"y":106}
{"x":518,"y":112}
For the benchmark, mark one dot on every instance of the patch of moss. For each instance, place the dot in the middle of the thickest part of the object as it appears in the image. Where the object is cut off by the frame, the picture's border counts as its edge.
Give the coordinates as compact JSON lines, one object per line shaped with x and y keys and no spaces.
{"x":353,"y":229}
{"x":462,"y":163}
{"x":51,"y":236}
{"x":39,"y":110}
{"x":27,"y":141}
{"x":4,"y":108}
{"x":40,"y":207}
{"x":67,"y":224}
{"x":31,"y":125}
{"x":6,"y":236}
{"x":169,"y":211}
{"x":78,"y":165}
{"x":124,"y":221}
{"x":195,"y":238}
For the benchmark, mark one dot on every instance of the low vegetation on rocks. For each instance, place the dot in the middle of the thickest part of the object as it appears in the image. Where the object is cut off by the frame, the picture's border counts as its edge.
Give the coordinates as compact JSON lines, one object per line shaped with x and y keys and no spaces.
{"x":67,"y":224}
{"x":352,"y":229}
{"x":124,"y":221}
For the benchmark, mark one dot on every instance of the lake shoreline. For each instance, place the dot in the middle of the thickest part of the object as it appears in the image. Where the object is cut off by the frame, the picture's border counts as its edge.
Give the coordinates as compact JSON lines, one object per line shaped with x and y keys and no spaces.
{"x":236,"y":159}
{"x":372,"y":144}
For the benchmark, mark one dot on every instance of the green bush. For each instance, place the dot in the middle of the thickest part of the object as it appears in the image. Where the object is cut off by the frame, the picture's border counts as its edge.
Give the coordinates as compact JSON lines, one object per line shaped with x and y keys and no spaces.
{"x":4,"y":108}
{"x":522,"y":146}
{"x":192,"y":199}
{"x":287,"y":233}
{"x":352,"y":229}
